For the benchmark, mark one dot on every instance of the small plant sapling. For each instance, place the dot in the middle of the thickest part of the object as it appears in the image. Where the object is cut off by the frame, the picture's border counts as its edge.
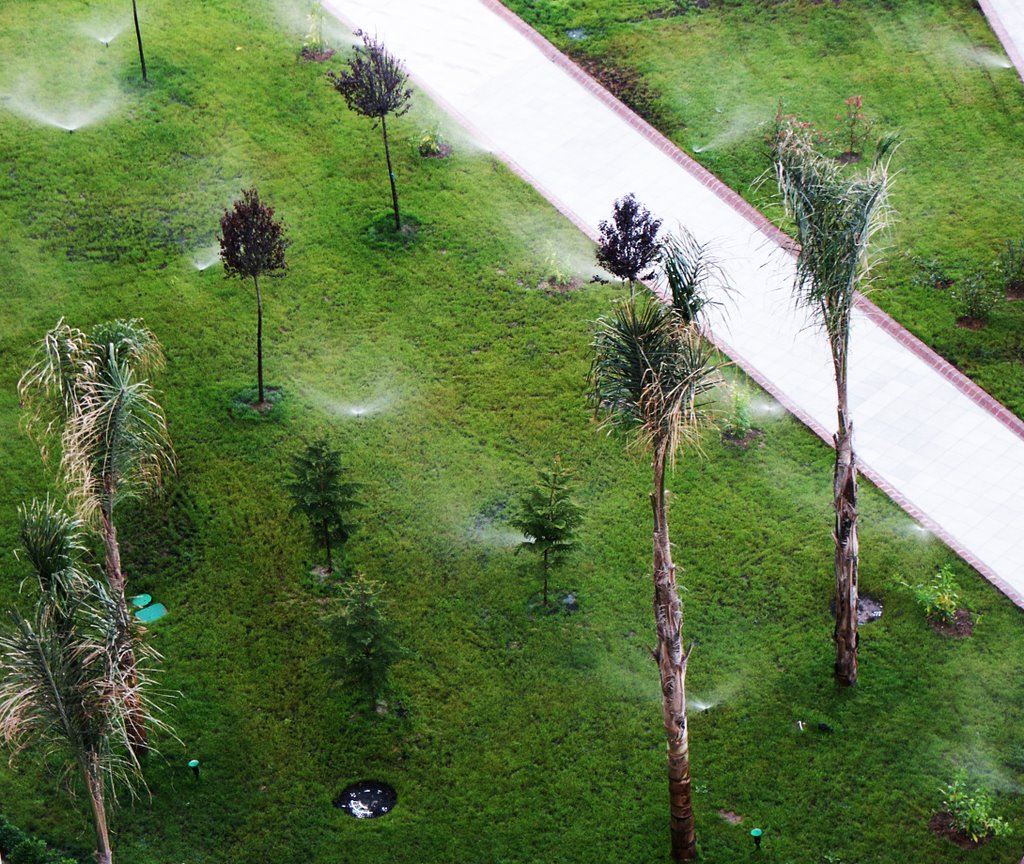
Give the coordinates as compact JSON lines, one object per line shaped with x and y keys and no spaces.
{"x":975,"y":297}
{"x":853,"y":130}
{"x":322,"y":495}
{"x":252,"y":243}
{"x":363,"y":646}
{"x":739,"y":422}
{"x":375,"y":85}
{"x":970,"y":807}
{"x":1010,"y":267}
{"x":628,"y":246}
{"x":550,"y":518}
{"x":939,"y":597}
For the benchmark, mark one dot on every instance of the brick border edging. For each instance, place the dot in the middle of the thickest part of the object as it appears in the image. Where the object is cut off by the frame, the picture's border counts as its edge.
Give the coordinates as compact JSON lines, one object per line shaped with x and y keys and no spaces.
{"x":907,"y":339}
{"x":996,"y":23}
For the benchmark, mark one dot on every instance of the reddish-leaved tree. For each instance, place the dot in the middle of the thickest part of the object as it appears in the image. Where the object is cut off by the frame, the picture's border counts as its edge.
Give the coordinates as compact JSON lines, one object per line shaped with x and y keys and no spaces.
{"x":252,"y":243}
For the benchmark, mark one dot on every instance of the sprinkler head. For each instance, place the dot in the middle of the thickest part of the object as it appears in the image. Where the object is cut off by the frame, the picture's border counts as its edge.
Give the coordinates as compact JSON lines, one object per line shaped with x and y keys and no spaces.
{"x":756,"y":834}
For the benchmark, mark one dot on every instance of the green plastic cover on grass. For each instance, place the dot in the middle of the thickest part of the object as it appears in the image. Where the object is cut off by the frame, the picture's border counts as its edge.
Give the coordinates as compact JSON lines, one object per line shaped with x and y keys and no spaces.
{"x":140,"y":600}
{"x":151,"y":613}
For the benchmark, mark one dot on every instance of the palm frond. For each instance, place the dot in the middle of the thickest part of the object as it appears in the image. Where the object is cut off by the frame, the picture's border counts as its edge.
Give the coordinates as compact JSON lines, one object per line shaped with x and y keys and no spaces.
{"x":117,"y":442}
{"x":651,"y":377}
{"x":836,"y":219}
{"x":689,"y":273}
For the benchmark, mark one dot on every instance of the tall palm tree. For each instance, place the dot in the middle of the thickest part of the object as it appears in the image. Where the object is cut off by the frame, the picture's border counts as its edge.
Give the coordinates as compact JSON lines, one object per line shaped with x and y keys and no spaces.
{"x":650,"y":377}
{"x":836,"y":218}
{"x":86,"y":392}
{"x":69,"y":681}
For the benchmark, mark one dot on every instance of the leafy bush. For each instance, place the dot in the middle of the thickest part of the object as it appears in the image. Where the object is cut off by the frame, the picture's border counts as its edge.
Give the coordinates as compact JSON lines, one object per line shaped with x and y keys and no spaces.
{"x":739,"y":422}
{"x":971,"y":809}
{"x":976,"y":296}
{"x":930,"y":273}
{"x":940,"y":597}
{"x":431,"y":144}
{"x":17,"y":847}
{"x":1010,"y":265}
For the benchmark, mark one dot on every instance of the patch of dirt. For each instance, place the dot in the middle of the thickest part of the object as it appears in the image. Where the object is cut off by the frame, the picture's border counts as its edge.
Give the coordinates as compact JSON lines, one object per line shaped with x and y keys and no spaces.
{"x":941,"y":825}
{"x":743,"y":441}
{"x":730,"y":817}
{"x":960,"y":628}
{"x":624,"y":84}
{"x":969,"y":323}
{"x":1015,"y":291}
{"x":849,"y":158}
{"x":311,"y":55}
{"x":552,"y":286}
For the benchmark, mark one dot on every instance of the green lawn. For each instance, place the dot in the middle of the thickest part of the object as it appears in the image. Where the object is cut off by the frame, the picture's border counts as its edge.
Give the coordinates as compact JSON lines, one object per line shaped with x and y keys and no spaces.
{"x":931,"y":70}
{"x":527,"y":739}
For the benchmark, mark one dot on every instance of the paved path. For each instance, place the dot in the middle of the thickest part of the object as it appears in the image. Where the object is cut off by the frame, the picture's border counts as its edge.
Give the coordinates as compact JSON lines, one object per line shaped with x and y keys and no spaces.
{"x":931,"y":439}
{"x":1007,"y":20}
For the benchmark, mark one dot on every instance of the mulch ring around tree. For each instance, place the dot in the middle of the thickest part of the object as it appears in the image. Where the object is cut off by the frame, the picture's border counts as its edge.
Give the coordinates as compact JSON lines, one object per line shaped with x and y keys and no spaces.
{"x":869,"y":609}
{"x":244,"y":405}
{"x":969,"y":323}
{"x":367,"y":799}
{"x":730,"y":817}
{"x":960,"y":627}
{"x":743,"y":441}
{"x":559,"y":286}
{"x":311,"y":55}
{"x":942,"y":825}
{"x":1015,"y":291}
{"x":441,"y":150}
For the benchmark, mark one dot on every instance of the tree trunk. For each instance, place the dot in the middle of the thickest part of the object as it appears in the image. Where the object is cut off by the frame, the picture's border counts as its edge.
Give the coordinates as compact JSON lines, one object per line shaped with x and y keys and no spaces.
{"x":116,"y":581}
{"x":327,"y":546}
{"x":259,"y":341}
{"x":138,"y":38}
{"x":546,"y":578}
{"x":847,"y":551}
{"x":94,"y":784}
{"x":391,"y":173}
{"x":672,"y":661}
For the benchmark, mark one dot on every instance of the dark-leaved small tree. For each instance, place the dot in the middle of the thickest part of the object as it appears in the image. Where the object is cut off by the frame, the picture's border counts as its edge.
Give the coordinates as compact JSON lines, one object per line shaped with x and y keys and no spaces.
{"x":375,"y":85}
{"x":252,"y":243}
{"x":629,"y":243}
{"x":363,"y":646}
{"x":322,"y":495}
{"x":550,"y":518}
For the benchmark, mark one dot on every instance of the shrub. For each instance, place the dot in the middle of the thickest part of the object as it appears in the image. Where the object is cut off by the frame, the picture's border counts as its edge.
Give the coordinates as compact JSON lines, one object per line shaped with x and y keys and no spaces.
{"x":1010,"y":265}
{"x":432,"y":144}
{"x":971,"y":809}
{"x":975,"y":296}
{"x":940,"y":597}
{"x":739,"y":424}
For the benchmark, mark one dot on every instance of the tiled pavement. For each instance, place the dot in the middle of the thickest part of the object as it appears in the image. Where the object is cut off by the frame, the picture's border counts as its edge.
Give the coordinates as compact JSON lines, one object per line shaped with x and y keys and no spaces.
{"x":948,"y":453}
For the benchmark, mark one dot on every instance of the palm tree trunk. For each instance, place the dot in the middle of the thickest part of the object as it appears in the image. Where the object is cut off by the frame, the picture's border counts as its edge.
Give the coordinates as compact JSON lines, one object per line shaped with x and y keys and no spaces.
{"x":94,"y":783}
{"x":259,"y":341}
{"x":115,"y":579}
{"x":391,"y":173}
{"x":668,"y":616}
{"x":138,"y":38}
{"x":847,"y":551}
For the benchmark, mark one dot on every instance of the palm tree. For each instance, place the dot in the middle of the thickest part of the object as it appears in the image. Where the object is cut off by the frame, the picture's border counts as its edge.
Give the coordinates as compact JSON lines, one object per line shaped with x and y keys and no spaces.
{"x":69,"y":680}
{"x":650,"y":377}
{"x":835,"y":219}
{"x":86,"y":390}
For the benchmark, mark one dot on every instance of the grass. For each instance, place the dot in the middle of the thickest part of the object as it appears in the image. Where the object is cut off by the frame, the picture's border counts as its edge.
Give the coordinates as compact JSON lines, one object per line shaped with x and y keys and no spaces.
{"x":527,"y":739}
{"x":929,"y":70}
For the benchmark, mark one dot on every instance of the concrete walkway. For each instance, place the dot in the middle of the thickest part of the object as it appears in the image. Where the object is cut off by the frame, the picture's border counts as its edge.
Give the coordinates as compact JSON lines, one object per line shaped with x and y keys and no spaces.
{"x":931,"y":439}
{"x":1006,"y":18}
